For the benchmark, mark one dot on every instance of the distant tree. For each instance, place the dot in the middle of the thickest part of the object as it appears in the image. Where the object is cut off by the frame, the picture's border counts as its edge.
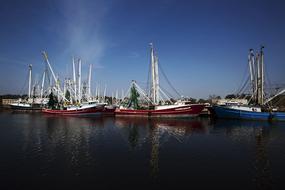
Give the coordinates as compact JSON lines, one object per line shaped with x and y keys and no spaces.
{"x":67,"y":95}
{"x":213,"y":96}
{"x":230,"y":96}
{"x":202,"y":101}
{"x":52,"y":101}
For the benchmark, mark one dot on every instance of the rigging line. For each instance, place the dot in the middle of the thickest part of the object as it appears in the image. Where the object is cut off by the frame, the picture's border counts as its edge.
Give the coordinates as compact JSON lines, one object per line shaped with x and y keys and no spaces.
{"x":126,"y":95}
{"x":267,"y":76}
{"x":252,"y":95}
{"x":38,"y":83}
{"x":166,"y":96}
{"x":165,"y":91}
{"x":245,"y":73}
{"x":244,"y":86}
{"x":25,"y":83}
{"x":142,"y":92}
{"x":281,"y":99}
{"x":142,"y":84}
{"x":267,"y":83}
{"x":160,"y":67}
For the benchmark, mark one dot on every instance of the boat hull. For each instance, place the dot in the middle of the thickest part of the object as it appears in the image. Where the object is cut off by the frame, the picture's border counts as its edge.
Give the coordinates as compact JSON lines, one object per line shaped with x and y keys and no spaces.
{"x":224,"y":112}
{"x":31,"y":108}
{"x":94,"y":111}
{"x":109,"y":111}
{"x":278,"y":116}
{"x":181,"y":111}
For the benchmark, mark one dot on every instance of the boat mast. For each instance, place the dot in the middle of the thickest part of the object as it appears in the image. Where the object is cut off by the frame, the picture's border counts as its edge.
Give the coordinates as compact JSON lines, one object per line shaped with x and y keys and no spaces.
{"x":154,"y":74}
{"x":117,"y":97}
{"x":43,"y":83}
{"x":89,"y":81}
{"x":105,"y":89}
{"x":251,"y":69}
{"x":156,"y":79}
{"x":96,"y":92}
{"x":47,"y":61}
{"x":30,"y":80}
{"x":99,"y":92}
{"x":79,"y":80}
{"x":256,"y":77}
{"x":262,"y":76}
{"x":54,"y":77}
{"x":112,"y":98}
{"x":74,"y":77}
{"x":123,"y":95}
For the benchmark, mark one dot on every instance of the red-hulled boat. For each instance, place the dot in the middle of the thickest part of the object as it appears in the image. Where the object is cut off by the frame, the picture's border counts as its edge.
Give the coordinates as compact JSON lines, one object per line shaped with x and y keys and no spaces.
{"x":82,"y":110}
{"x":178,"y":110}
{"x":155,"y":98}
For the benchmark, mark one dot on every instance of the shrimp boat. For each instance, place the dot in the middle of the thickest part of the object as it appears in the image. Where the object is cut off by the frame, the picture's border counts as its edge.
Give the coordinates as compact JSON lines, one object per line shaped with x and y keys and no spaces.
{"x":32,"y":103}
{"x":85,"y":109}
{"x":83,"y":104}
{"x":154,"y":104}
{"x":258,"y":107}
{"x":24,"y":106}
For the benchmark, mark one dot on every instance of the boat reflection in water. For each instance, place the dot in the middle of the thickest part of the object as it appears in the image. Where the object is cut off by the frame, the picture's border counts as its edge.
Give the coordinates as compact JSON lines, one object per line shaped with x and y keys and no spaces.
{"x":258,"y":135}
{"x":254,"y":136}
{"x":119,"y":152}
{"x":157,"y":132}
{"x":66,"y":140}
{"x":177,"y":127}
{"x":141,"y":130}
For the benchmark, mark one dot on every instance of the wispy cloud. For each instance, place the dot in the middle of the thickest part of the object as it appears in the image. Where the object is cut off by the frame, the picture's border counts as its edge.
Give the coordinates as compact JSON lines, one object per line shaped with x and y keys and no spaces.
{"x":81,"y":29}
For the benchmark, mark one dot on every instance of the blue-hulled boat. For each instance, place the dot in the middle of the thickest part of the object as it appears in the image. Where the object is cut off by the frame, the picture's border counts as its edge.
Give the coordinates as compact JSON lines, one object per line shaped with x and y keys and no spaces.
{"x":242,"y":113}
{"x":258,"y":108}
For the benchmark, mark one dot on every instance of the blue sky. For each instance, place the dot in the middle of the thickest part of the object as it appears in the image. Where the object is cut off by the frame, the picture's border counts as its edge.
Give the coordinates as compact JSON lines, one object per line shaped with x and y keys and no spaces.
{"x":202,"y":45}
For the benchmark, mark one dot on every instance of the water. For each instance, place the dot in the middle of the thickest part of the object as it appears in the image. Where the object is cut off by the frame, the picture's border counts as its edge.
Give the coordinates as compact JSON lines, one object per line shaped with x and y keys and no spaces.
{"x":46,"y":151}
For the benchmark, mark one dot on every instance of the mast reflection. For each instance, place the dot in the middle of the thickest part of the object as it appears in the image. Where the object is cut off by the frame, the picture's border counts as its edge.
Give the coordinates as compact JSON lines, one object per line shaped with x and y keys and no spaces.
{"x":74,"y":136}
{"x":259,"y":133}
{"x":154,"y":155}
{"x":158,"y":131}
{"x":263,"y":176}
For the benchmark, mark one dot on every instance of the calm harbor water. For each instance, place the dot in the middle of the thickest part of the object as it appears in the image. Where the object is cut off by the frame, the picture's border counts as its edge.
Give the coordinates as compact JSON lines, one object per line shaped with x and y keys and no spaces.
{"x":46,"y":151}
